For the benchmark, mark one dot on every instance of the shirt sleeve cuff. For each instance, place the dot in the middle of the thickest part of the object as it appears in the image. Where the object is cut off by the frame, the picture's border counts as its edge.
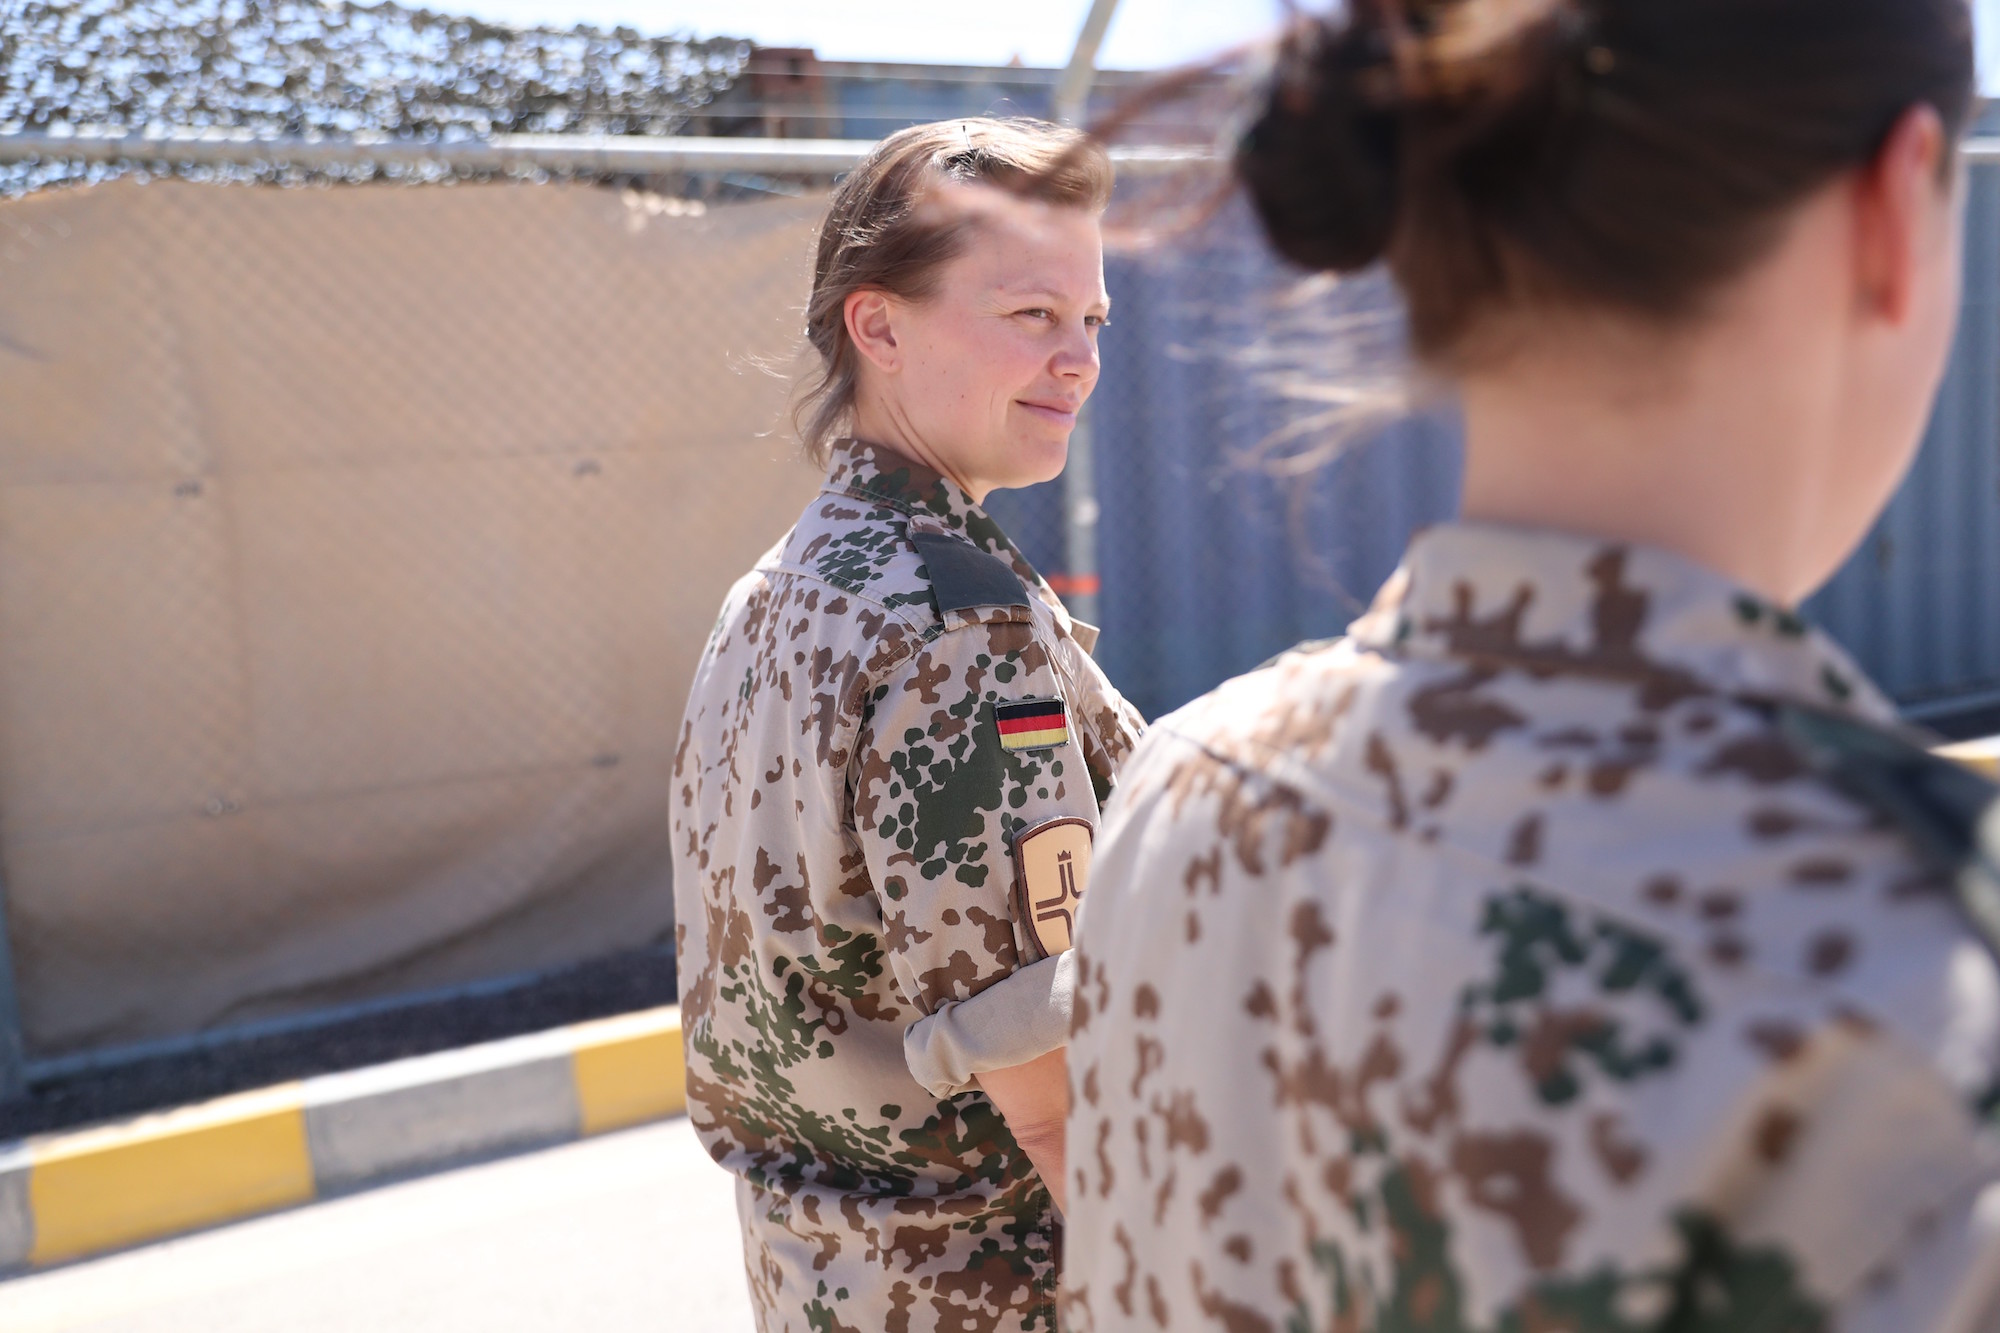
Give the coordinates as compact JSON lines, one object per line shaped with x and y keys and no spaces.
{"x":1009,"y":1023}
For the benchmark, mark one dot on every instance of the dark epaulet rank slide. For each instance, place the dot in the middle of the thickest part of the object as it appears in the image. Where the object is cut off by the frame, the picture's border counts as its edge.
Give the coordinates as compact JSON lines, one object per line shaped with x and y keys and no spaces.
{"x":1949,"y":814}
{"x":962,"y":576}
{"x":1051,"y":872}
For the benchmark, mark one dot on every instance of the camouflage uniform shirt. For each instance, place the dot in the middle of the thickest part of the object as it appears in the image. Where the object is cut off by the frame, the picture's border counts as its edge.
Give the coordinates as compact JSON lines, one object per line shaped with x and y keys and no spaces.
{"x":1500,"y":968}
{"x":843,"y":881}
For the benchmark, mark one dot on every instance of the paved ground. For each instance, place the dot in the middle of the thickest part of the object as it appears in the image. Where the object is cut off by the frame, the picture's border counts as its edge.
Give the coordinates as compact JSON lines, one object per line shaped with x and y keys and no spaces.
{"x":629,"y":1232}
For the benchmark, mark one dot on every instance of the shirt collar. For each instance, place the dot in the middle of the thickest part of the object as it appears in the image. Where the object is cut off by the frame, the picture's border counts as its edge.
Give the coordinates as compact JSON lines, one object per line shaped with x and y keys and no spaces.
{"x":1553,"y":605}
{"x":875,"y":472}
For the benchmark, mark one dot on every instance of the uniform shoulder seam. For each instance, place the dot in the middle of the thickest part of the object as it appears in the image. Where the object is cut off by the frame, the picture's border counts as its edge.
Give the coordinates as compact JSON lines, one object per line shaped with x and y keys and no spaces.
{"x":924,"y":630}
{"x":860,"y":591}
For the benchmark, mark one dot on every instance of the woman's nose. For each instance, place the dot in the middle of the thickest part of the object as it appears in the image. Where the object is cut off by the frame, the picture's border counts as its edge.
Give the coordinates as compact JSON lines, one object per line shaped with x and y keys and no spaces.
{"x":1078,"y":353}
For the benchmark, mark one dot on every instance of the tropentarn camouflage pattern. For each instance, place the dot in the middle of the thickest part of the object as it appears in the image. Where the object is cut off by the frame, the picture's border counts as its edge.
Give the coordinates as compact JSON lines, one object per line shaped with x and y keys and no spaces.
{"x":842,"y":871}
{"x":1501,"y":968}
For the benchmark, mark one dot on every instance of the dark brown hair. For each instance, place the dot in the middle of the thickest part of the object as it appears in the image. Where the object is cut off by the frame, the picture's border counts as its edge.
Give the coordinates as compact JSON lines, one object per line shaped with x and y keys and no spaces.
{"x":1630,"y":155}
{"x":877,"y":236}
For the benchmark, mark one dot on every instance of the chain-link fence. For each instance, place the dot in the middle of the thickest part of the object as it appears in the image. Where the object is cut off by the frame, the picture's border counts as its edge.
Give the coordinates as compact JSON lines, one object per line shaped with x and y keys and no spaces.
{"x":358,"y":546}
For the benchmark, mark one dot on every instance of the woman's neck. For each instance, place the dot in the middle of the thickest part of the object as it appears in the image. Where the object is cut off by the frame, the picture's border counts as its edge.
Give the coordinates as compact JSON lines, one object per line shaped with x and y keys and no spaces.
{"x":880,"y":424}
{"x":1703,"y":445}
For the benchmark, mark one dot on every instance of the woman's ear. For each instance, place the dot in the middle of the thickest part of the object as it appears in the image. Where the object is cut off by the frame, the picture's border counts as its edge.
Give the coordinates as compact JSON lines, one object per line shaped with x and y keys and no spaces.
{"x":871,"y":328}
{"x":1900,"y":199}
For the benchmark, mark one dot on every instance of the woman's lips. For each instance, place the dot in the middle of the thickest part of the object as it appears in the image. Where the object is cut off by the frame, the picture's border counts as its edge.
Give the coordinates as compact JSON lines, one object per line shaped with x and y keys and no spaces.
{"x":1055,"y":416}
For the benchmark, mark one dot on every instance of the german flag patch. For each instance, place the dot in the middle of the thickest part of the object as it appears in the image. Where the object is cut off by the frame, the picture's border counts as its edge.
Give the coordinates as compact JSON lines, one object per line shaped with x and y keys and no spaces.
{"x":1032,"y":724}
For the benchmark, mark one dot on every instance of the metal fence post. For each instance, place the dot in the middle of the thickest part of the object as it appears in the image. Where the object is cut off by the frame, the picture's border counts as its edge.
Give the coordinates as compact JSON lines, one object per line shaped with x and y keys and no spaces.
{"x":1081,"y":592}
{"x":1081,"y":588}
{"x":13,"y":1052}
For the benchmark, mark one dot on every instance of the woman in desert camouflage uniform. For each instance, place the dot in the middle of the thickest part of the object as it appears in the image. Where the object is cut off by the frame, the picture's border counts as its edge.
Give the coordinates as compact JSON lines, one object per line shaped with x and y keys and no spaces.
{"x":892,"y":765}
{"x":1577,"y":945}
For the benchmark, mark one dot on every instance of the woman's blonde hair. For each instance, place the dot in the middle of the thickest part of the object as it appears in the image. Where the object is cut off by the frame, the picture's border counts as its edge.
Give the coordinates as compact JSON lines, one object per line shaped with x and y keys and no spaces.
{"x":876,"y":236}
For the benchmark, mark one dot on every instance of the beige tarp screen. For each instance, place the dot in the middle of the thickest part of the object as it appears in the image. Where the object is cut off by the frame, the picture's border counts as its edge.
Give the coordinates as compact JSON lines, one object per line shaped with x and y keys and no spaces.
{"x":355,"y":548}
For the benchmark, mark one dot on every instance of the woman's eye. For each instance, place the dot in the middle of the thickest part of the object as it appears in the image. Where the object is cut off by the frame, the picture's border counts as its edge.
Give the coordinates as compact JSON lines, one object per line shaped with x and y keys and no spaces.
{"x":1098,"y":321}
{"x":1039,"y":312}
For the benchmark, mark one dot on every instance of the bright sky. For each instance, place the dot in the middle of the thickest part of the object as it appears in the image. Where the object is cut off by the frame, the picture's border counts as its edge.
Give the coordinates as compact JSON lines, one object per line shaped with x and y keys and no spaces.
{"x":1146,"y":34}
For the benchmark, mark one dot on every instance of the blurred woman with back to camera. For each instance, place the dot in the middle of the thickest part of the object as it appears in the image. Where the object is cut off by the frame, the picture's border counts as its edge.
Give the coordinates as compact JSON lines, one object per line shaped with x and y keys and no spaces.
{"x":1578,"y":944}
{"x":894,"y":755}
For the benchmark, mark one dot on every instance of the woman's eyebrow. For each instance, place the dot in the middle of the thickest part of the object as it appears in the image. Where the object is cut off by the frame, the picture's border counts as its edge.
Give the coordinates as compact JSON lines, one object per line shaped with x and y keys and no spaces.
{"x":1047,"y":294}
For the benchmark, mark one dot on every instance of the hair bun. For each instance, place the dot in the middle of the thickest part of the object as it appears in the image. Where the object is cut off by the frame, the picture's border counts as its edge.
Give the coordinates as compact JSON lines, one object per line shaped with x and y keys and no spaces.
{"x":1321,"y":162}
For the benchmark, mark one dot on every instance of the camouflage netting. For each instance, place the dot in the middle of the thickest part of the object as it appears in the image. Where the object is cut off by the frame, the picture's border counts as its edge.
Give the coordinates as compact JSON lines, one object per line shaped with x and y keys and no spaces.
{"x":294,"y":67}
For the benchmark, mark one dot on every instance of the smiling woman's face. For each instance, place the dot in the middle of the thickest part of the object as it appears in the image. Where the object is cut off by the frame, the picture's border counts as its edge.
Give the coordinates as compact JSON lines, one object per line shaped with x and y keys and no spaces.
{"x":983,"y":379}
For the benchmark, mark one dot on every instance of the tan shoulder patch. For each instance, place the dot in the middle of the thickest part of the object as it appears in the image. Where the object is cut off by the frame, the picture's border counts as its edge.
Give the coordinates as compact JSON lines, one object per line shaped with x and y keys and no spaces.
{"x":1051,"y":870}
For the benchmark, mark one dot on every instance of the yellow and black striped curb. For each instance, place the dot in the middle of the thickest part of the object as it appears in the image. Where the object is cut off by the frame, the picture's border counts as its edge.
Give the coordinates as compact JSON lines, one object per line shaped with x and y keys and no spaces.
{"x":65,"y":1196}
{"x":1981,"y":755}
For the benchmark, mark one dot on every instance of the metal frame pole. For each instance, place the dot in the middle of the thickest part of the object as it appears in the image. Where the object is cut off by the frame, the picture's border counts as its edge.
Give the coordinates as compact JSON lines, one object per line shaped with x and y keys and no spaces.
{"x":1080,"y":515}
{"x":13,"y":1051}
{"x":1080,"y":507}
{"x":588,"y":154}
{"x":1072,"y":97}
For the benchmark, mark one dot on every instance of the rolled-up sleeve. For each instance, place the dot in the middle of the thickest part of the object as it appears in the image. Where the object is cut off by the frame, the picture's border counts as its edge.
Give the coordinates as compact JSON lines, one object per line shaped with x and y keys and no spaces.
{"x":1893,"y":1203}
{"x":1854,"y":1163}
{"x":1007,"y":1024}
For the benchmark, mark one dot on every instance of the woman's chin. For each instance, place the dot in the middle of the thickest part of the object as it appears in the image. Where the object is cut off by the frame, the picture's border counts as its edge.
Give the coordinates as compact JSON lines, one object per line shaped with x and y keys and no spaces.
{"x":1035,"y":463}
